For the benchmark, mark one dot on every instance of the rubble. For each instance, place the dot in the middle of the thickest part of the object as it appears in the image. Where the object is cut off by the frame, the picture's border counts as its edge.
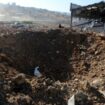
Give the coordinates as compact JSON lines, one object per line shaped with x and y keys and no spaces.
{"x":102,"y":92}
{"x":66,"y":58}
{"x":98,"y":83}
{"x":19,"y":79}
{"x":19,"y":84}
{"x":71,"y":101}
{"x":81,"y":99}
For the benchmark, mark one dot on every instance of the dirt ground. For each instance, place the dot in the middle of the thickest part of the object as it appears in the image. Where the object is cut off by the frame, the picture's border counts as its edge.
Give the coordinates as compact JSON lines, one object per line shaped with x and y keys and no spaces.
{"x":69,"y":62}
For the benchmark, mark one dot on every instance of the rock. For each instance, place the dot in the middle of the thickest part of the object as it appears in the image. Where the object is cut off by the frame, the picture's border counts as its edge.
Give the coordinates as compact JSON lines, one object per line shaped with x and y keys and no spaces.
{"x":81,"y":99}
{"x":20,"y":100}
{"x":20,"y":84}
{"x":102,"y":92}
{"x":84,"y":85}
{"x":83,"y":53}
{"x":97,"y":52}
{"x":76,"y":79}
{"x":102,"y":35}
{"x":49,"y":81}
{"x":19,"y":78}
{"x":26,"y":99}
{"x":57,"y":51}
{"x":98,"y":83}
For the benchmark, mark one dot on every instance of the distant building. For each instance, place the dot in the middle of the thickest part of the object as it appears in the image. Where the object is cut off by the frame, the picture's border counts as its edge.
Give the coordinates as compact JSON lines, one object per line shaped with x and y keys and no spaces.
{"x":13,"y":4}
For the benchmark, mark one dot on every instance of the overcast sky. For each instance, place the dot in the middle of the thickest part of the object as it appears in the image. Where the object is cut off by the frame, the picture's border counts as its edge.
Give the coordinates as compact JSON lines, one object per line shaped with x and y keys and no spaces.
{"x":55,"y":5}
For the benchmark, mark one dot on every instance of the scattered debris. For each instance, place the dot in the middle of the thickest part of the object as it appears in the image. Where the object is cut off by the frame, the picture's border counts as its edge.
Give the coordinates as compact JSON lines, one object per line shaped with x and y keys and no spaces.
{"x":79,"y":99}
{"x":71,"y":101}
{"x":37,"y":72}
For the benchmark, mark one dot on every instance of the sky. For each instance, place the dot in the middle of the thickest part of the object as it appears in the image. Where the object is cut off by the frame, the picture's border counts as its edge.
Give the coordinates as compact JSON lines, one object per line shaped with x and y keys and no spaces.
{"x":54,"y":5}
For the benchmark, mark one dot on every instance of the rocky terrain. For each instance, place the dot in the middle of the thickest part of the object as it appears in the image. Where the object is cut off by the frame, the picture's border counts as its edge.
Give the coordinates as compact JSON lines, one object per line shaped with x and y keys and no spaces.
{"x":70,"y":63}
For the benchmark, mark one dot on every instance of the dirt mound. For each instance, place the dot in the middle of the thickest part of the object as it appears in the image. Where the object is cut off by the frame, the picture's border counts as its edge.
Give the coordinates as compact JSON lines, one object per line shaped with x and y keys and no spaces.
{"x":66,"y":59}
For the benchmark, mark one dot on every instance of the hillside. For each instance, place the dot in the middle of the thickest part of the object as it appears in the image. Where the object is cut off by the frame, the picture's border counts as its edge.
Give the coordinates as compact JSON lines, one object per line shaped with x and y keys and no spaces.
{"x":13,"y":12}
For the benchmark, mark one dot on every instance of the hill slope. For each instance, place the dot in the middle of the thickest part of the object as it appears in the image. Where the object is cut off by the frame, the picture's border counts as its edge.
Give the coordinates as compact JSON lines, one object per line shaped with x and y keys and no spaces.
{"x":17,"y":13}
